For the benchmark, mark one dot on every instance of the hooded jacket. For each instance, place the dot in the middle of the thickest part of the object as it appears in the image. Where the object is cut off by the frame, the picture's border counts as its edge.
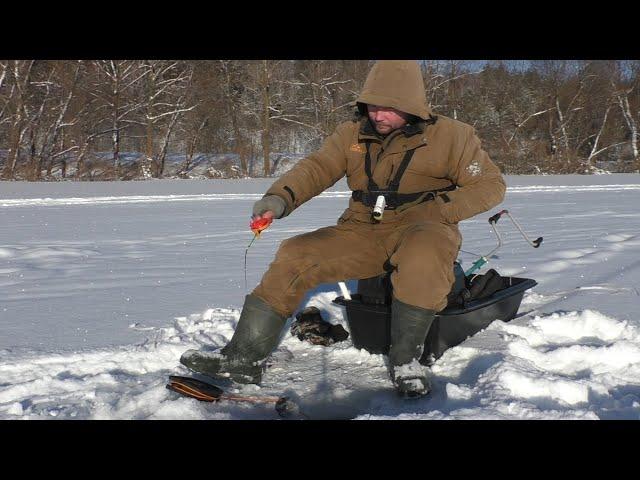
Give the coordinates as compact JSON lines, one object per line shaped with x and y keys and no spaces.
{"x":396,"y":84}
{"x":446,"y":152}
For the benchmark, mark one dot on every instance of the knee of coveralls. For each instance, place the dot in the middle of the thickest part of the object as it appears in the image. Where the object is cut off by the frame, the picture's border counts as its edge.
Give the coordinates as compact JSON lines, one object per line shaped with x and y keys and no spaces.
{"x":302,"y":263}
{"x":327,"y":255}
{"x":283,"y":285}
{"x":423,"y":274}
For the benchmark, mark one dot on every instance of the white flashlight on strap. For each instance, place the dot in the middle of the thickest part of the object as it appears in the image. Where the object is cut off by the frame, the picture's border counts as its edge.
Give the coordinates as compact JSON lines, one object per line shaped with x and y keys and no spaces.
{"x":378,"y":210}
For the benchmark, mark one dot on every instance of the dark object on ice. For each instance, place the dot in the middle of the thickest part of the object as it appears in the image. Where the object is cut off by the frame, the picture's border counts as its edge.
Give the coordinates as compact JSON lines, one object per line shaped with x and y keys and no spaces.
{"x":474,"y":303}
{"x":310,"y":326}
{"x":191,"y":387}
{"x":206,"y":392}
{"x":480,"y":286}
{"x":286,"y":407}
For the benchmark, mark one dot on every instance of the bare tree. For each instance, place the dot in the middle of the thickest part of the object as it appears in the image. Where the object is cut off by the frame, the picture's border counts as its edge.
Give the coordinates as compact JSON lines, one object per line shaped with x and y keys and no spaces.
{"x":114,"y":95}
{"x":596,"y":148}
{"x":4,"y":99}
{"x":165,"y":91}
{"x":232,"y":84}
{"x":19,"y":71}
{"x":35,"y":122}
{"x":623,"y":101}
{"x":265,"y":90}
{"x":191,"y":147}
{"x":262,"y":100}
{"x":441,"y":82}
{"x":625,"y":83}
{"x":51,"y":131}
{"x":323,"y":94}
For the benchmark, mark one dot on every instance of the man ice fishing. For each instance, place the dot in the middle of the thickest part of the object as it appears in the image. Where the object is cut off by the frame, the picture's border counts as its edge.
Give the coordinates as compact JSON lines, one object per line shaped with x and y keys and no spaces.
{"x":431,"y":173}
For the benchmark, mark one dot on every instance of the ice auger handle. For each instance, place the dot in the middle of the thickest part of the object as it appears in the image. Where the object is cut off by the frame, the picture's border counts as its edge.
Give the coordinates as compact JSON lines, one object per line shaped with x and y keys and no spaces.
{"x":496,"y":217}
{"x":492,"y":221}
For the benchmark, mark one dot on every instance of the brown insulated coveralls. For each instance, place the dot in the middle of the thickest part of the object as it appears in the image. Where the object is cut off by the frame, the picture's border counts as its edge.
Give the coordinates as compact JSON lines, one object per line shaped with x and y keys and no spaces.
{"x":420,"y":240}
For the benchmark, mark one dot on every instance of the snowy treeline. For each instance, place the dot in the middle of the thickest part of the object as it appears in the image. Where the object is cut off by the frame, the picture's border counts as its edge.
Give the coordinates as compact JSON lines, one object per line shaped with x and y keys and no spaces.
{"x":83,"y":119}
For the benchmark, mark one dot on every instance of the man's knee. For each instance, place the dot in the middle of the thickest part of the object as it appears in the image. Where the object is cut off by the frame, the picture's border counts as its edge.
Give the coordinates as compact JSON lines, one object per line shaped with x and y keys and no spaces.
{"x":423,"y":247}
{"x":296,"y":247}
{"x":423,"y":264}
{"x":425,"y":291}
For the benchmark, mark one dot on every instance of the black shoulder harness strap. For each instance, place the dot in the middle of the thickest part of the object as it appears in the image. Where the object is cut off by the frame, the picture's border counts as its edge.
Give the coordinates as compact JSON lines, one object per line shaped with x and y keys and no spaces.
{"x":367,"y":168}
{"x":392,"y":197}
{"x":395,"y":183}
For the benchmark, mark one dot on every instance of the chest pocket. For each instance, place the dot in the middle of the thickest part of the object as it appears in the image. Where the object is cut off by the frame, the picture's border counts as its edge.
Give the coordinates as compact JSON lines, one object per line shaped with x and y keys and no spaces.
{"x":428,"y":162}
{"x":355,"y":159}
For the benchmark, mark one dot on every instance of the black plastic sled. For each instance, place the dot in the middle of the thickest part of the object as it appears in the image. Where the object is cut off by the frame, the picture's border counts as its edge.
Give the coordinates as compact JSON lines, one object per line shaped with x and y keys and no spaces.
{"x":369,"y":311}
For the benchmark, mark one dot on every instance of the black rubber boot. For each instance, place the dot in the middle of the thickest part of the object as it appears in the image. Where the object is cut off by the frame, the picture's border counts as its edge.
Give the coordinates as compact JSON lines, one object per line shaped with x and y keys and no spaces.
{"x":242,"y":359}
{"x":409,"y":328}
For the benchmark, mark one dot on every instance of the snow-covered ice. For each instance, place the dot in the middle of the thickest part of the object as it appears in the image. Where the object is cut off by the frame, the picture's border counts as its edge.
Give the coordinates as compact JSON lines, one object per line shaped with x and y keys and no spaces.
{"x":104,"y":285}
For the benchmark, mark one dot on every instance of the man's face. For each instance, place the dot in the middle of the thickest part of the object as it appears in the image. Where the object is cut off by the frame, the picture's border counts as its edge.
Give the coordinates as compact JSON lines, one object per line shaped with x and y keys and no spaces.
{"x":386,"y":119}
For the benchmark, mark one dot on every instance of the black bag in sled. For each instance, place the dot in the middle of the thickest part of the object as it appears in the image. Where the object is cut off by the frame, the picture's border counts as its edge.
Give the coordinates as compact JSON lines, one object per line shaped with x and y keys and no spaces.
{"x":473,"y":303}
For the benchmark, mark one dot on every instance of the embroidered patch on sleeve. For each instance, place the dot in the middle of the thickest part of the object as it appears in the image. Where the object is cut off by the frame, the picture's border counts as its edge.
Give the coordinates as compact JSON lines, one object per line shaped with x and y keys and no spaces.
{"x":474,"y":169}
{"x":356,"y":147}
